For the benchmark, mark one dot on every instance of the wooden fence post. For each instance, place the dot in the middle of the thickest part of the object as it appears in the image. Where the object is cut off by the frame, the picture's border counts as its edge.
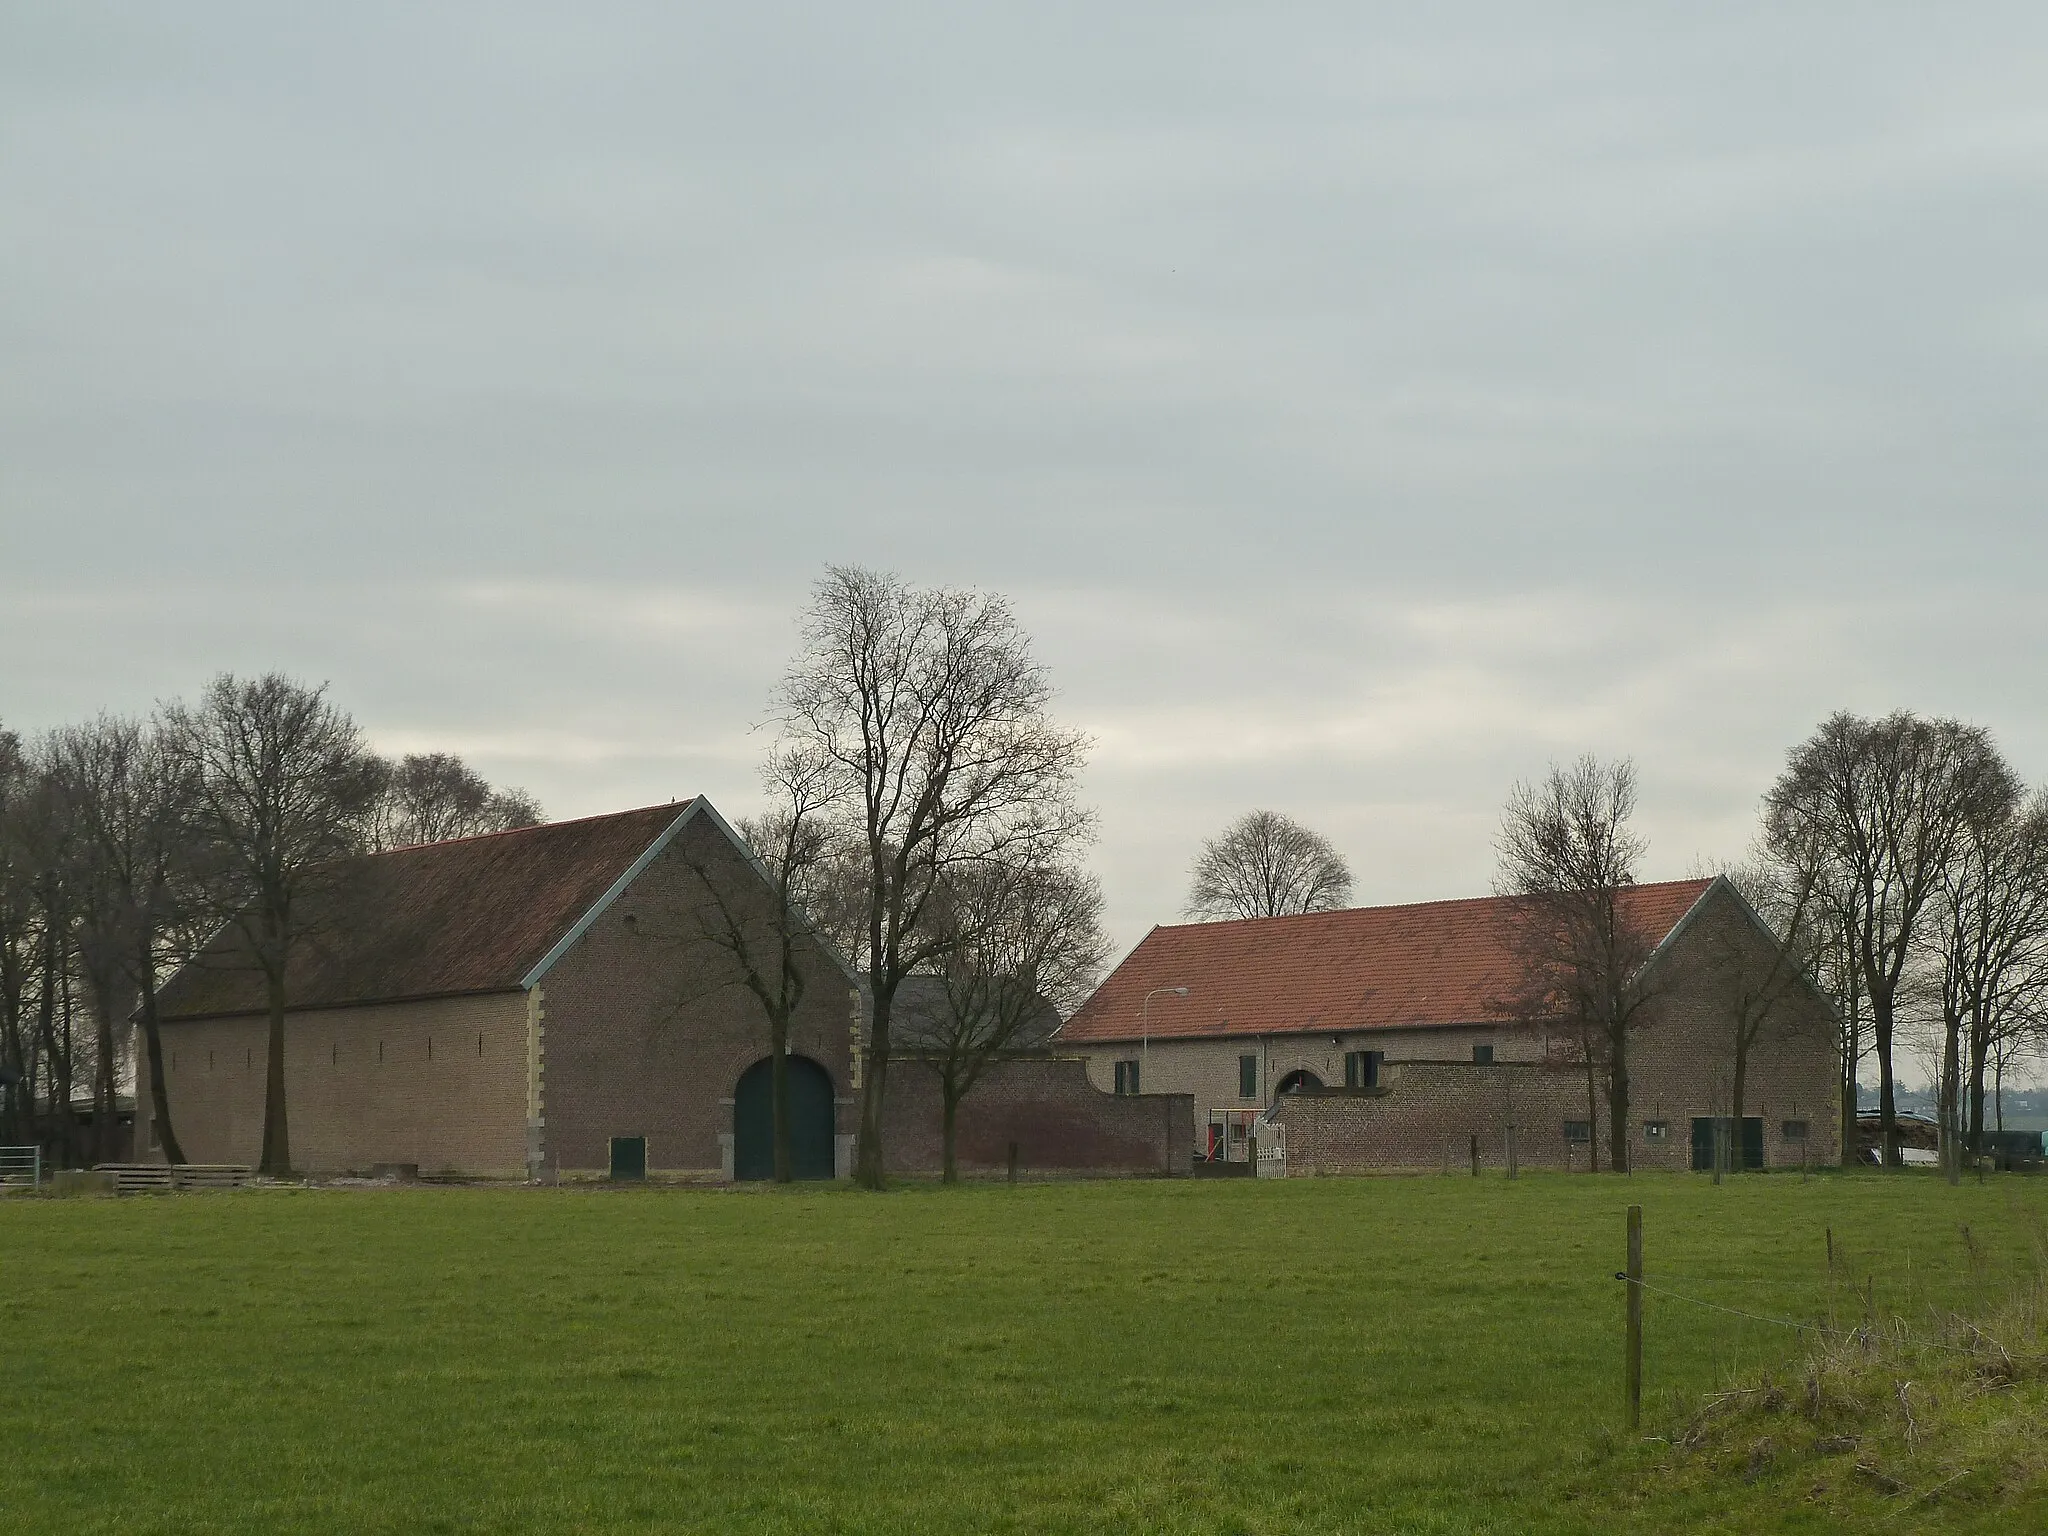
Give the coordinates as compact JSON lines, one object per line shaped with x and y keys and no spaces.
{"x":1635,"y":1317}
{"x":1475,"y":1154}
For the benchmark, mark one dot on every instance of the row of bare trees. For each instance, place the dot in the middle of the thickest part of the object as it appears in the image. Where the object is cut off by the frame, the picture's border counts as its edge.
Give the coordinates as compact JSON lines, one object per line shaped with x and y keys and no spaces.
{"x":1925,"y":863}
{"x":126,"y":843}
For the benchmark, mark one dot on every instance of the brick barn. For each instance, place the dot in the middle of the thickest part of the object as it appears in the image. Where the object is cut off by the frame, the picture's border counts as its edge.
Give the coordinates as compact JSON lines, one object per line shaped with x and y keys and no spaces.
{"x":522,"y":1004}
{"x":1375,"y":1038}
{"x":549,"y":1003}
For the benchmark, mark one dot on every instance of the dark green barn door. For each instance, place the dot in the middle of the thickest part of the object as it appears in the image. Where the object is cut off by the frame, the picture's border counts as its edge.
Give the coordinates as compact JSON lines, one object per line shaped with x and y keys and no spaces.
{"x":1749,"y":1155}
{"x":810,"y":1122}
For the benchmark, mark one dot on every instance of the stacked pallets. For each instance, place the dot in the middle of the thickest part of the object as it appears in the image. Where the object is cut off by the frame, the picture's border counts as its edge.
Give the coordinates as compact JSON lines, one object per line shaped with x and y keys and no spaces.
{"x":164,"y":1178}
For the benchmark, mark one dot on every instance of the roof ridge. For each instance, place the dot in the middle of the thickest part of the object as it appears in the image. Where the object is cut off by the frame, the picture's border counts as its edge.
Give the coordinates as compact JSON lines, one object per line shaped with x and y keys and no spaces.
{"x":679,"y":806}
{"x":1702,"y":881}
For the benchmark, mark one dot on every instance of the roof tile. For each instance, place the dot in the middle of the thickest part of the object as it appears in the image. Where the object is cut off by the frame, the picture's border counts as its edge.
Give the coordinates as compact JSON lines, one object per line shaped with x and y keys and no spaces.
{"x":1433,"y":963}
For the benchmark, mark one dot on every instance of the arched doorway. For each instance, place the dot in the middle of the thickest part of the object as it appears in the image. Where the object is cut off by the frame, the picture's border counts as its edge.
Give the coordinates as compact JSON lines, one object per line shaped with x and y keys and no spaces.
{"x":1295,"y":1082}
{"x":810,"y":1121}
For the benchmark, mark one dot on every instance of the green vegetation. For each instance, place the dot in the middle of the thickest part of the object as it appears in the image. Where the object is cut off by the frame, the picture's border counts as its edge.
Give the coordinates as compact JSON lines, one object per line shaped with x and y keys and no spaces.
{"x":1430,"y":1354}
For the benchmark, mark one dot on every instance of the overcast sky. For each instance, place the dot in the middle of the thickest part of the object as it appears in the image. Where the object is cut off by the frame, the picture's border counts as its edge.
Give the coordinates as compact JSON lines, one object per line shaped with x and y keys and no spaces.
{"x":1363,"y":407}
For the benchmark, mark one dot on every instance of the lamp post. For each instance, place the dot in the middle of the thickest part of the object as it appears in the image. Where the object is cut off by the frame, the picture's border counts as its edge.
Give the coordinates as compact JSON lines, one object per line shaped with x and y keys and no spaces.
{"x":1144,"y":1032}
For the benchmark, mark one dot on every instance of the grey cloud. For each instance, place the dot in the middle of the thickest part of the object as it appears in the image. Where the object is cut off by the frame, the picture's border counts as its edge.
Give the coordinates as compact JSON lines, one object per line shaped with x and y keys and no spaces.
{"x":1364,"y":404}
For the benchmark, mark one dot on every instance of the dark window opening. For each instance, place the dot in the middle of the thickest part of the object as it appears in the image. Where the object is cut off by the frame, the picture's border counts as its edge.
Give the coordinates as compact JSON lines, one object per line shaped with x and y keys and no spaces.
{"x":1297,"y":1082}
{"x":1362,"y":1068}
{"x":248,"y":1058}
{"x":1795,"y":1130}
{"x":380,"y":1050}
{"x":1483,"y":1055}
{"x":334,"y":1053}
{"x":430,"y":1047}
{"x":1656,"y":1130}
{"x":479,"y":1044}
{"x":209,"y":1061}
{"x":1578,"y":1132}
{"x":1247,"y":1077}
{"x":1127,"y":1077}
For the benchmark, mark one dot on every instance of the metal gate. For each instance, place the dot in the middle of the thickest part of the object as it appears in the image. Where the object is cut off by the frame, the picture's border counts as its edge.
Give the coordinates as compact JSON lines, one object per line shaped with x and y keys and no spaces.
{"x":21,"y":1167}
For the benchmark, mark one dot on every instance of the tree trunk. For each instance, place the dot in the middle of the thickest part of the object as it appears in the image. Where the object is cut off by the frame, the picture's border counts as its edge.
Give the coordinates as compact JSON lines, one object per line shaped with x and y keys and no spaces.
{"x":1852,"y":1050}
{"x":867,"y":1167}
{"x":949,"y":1110}
{"x":1735,"y":1096}
{"x":1951,"y":1073}
{"x":159,"y":1093}
{"x":276,"y":1161}
{"x":1593,"y":1112}
{"x":1980,"y":1047}
{"x":1887,"y":1103}
{"x":778,"y":1092}
{"x":1617,"y":1099}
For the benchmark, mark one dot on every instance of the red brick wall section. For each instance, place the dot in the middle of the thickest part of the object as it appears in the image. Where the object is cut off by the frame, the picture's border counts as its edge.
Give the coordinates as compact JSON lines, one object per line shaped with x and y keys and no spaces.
{"x":1060,"y":1121}
{"x":646,"y":1028}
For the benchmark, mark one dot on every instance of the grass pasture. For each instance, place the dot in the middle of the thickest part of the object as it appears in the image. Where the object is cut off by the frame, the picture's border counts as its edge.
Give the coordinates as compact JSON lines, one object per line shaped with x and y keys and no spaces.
{"x":1430,"y":1354}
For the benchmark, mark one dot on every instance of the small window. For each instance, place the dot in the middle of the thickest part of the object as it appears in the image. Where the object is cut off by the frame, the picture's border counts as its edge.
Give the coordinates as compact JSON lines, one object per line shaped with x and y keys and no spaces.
{"x":1578,"y":1132}
{"x":1795,"y":1130}
{"x":1362,"y":1068}
{"x":1656,"y":1130}
{"x":1127,"y":1077}
{"x":1247,"y":1077}
{"x":1483,"y":1055}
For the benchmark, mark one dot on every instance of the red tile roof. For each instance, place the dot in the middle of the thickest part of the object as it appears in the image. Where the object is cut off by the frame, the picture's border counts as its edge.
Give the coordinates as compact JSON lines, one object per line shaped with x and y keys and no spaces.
{"x":472,"y":915}
{"x":1434,"y":963}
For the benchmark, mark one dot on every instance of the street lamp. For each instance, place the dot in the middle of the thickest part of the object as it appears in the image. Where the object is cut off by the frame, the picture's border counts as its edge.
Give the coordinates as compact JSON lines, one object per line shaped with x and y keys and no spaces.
{"x":1144,"y":1033}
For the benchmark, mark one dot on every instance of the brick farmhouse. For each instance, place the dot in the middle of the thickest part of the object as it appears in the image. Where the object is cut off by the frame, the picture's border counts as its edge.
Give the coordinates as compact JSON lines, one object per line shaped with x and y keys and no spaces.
{"x":1377,"y":1038}
{"x":552,"y":1003}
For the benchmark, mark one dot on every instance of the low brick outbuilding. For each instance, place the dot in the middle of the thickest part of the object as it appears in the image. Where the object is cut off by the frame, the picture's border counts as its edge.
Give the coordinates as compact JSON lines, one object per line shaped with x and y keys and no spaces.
{"x":1377,"y":1037}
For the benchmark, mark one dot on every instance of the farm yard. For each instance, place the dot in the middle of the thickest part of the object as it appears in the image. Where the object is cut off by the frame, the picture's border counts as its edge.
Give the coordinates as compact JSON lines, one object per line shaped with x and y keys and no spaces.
{"x":1422,"y":1354}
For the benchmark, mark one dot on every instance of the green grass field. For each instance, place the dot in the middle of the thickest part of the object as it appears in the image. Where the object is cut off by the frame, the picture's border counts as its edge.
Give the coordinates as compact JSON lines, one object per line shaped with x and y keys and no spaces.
{"x":1429,"y":1354}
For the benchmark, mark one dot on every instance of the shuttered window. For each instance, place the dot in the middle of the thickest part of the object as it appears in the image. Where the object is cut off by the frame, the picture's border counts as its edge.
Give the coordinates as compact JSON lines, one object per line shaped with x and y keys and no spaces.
{"x":1247,"y":1077}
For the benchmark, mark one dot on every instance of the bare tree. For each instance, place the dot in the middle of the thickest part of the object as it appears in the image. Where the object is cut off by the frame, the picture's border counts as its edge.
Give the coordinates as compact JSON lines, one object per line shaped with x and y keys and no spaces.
{"x":1884,"y":805}
{"x":1266,"y":865}
{"x":18,"y":945}
{"x":282,"y":784}
{"x":131,"y":804}
{"x":1566,"y":850}
{"x":432,"y":797}
{"x":1990,"y":952}
{"x":930,"y":719}
{"x":767,"y":945}
{"x":1030,"y":947}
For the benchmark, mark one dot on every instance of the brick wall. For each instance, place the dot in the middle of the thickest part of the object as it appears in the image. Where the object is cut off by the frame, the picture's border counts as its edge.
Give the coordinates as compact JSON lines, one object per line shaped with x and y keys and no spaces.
{"x":645,"y":1027}
{"x":1207,"y":1070}
{"x":1060,"y":1121}
{"x":440,"y":1083}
